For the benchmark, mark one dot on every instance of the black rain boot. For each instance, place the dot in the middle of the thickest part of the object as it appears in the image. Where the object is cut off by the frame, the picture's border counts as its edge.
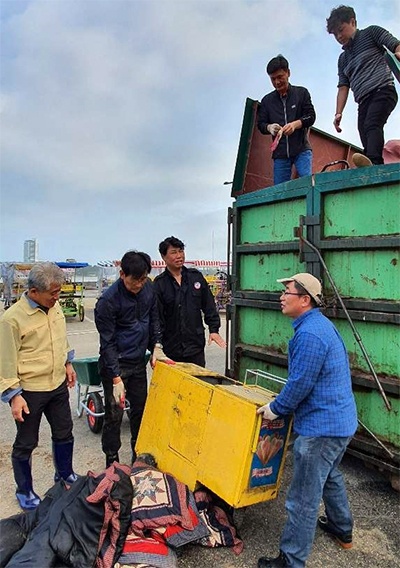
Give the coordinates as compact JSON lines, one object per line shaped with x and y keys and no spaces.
{"x":27,"y":498}
{"x":62,"y":456}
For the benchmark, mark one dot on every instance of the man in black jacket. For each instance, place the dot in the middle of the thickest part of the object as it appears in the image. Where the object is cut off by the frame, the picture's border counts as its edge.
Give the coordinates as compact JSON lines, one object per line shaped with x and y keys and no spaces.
{"x":126,"y":317}
{"x":287,"y":114}
{"x":183,"y":297}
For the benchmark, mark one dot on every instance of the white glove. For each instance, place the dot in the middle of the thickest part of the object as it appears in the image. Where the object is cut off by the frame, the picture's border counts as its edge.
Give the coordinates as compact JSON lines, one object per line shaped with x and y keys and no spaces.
{"x":267,"y":412}
{"x":119,"y":393}
{"x":273,"y":128}
{"x":159,"y":355}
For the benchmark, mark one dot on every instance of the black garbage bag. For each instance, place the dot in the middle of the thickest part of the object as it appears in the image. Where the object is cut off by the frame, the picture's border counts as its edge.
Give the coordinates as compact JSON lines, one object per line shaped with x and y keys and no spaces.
{"x":69,"y":524}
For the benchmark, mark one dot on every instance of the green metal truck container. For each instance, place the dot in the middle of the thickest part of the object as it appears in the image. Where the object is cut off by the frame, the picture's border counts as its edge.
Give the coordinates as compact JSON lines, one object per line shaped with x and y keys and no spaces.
{"x":352,"y":219}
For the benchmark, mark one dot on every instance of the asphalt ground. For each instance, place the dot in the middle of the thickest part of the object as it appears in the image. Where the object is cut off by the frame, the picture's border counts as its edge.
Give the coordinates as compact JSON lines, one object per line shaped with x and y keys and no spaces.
{"x":375,"y":505}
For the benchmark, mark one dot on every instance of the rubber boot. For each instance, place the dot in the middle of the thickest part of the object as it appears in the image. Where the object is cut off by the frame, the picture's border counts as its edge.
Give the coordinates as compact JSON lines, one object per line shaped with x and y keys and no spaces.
{"x":26,"y":496}
{"x":62,"y":456}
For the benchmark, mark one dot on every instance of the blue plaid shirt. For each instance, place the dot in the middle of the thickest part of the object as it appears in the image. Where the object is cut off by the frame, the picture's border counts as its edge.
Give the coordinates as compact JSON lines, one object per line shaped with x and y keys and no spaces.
{"x":318,"y":390}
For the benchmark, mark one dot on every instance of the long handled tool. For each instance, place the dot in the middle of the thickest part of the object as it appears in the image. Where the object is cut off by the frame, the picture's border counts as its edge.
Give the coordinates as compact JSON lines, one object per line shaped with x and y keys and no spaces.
{"x":299,"y":234}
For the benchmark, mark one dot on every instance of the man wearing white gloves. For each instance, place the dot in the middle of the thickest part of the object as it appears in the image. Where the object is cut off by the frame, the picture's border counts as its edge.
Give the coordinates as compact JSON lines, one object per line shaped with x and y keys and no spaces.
{"x":318,"y":392}
{"x":287,"y":114}
{"x":127,"y":320}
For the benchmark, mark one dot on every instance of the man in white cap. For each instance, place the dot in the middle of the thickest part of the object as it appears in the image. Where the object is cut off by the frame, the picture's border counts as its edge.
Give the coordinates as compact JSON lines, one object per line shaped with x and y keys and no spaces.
{"x":318,"y":392}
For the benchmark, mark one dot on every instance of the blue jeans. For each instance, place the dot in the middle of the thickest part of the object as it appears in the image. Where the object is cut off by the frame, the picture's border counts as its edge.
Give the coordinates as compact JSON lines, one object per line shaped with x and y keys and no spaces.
{"x":315,"y":477}
{"x":283,"y":166}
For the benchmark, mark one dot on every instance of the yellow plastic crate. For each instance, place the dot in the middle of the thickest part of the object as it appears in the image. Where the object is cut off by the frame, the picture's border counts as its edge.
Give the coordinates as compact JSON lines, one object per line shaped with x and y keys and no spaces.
{"x":203,"y":428}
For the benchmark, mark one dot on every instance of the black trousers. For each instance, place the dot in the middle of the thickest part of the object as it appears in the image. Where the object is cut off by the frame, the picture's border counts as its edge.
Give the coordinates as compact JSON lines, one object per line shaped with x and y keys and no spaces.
{"x":197,"y":359}
{"x":135,"y":380}
{"x":55,"y":406}
{"x":373,"y":112}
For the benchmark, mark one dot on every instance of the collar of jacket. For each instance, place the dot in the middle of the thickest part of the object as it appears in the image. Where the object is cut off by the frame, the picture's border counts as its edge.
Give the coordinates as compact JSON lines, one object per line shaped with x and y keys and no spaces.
{"x":31,"y":307}
{"x":183,"y":273}
{"x":280,"y":97}
{"x":349,"y":44}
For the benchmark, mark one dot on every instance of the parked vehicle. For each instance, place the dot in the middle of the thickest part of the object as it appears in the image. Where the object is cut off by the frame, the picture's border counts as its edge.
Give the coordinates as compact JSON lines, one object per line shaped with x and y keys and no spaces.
{"x":343,"y":227}
{"x":72,"y":291}
{"x":15,"y":281}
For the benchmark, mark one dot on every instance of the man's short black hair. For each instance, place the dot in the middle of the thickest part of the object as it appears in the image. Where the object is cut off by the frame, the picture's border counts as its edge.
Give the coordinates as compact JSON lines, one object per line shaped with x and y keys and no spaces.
{"x":136,"y":264}
{"x":277,"y":63}
{"x":340,"y":15}
{"x":170,"y":242}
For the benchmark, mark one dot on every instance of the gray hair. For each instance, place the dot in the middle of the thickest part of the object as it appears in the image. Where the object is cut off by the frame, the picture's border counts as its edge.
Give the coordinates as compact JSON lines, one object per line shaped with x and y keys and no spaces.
{"x":43,"y":275}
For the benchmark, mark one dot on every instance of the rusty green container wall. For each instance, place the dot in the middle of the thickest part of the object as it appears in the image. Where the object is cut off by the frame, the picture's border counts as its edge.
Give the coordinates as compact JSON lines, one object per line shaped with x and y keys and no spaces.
{"x":353,"y":218}
{"x":371,"y":411}
{"x":371,"y":213}
{"x":381,"y":341}
{"x":264,"y":327}
{"x":371,"y":274}
{"x":270,"y":223}
{"x":258,"y":271}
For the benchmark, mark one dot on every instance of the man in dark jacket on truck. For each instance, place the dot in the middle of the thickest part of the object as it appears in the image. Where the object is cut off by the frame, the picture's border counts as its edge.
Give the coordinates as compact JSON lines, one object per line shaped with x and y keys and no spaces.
{"x":287,"y":114}
{"x":127,"y":320}
{"x":183,"y":297}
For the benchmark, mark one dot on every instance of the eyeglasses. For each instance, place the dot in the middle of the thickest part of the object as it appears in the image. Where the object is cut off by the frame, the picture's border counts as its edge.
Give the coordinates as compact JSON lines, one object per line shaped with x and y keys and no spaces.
{"x":292,"y":294}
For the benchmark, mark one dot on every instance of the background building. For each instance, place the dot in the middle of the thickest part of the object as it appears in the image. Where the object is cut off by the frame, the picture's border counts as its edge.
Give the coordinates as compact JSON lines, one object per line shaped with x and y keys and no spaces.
{"x":31,"y":250}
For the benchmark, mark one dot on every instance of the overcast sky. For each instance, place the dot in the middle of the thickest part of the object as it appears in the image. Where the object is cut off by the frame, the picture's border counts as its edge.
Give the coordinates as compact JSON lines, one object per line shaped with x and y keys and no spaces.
{"x":121,"y":119}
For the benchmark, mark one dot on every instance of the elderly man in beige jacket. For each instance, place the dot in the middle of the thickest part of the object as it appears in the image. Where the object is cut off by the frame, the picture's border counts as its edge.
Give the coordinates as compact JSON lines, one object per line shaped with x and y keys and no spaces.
{"x":35,"y":373}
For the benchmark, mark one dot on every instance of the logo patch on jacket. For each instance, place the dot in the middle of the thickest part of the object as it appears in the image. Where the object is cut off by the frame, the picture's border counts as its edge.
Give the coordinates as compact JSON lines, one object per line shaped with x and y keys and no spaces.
{"x":197,"y":285}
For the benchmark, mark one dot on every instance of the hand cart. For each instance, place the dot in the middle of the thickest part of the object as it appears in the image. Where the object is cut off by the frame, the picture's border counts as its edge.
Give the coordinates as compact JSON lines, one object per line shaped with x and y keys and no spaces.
{"x":88,"y":400}
{"x":90,"y":397}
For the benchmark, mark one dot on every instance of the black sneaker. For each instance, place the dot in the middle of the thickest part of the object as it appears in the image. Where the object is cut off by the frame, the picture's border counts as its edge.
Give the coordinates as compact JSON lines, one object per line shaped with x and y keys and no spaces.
{"x":345,"y":540}
{"x":111,"y":458}
{"x":278,"y":562}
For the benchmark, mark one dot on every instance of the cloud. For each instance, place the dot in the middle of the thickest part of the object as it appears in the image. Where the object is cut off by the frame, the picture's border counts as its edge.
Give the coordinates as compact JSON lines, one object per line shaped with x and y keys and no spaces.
{"x":128,"y":113}
{"x":86,"y":106}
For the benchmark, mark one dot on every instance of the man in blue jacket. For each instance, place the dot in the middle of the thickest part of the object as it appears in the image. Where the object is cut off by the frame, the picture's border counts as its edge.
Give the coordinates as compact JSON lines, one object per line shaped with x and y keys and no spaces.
{"x":126,"y":317}
{"x":318,"y":392}
{"x":287,"y":114}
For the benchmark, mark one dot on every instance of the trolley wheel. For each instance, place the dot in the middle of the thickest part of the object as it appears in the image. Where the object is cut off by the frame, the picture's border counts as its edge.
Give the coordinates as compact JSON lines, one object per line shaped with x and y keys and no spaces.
{"x":95,"y":404}
{"x":81,"y":311}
